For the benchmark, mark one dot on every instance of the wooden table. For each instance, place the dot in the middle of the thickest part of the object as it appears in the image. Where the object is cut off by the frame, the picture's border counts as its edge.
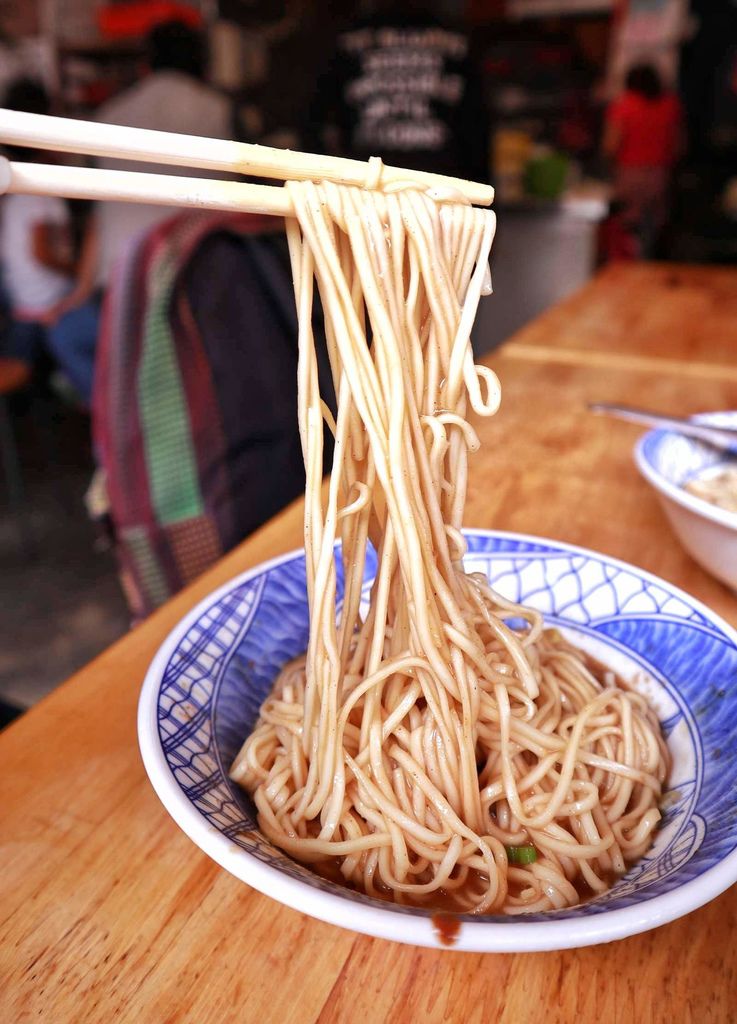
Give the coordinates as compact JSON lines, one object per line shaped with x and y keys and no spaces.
{"x":109,"y":912}
{"x":650,"y":315}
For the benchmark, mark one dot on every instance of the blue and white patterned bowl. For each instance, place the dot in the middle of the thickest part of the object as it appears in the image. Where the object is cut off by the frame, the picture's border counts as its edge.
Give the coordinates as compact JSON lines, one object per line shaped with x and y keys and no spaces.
{"x":669,"y":460}
{"x":202,"y":694}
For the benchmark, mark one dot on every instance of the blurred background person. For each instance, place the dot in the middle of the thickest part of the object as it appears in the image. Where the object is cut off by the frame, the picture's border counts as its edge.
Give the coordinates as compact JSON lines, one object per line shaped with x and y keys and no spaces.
{"x":401,"y":85}
{"x":172,"y":97}
{"x":643,"y":141}
{"x":35,"y":245}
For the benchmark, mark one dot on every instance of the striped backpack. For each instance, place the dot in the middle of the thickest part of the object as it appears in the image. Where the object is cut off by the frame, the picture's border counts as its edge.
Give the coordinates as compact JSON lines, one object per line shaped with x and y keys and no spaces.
{"x":194,"y":404}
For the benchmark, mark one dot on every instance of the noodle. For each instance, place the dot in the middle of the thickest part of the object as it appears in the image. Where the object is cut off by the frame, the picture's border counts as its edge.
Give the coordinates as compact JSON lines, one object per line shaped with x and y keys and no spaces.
{"x":432,"y":752}
{"x":718,"y":488}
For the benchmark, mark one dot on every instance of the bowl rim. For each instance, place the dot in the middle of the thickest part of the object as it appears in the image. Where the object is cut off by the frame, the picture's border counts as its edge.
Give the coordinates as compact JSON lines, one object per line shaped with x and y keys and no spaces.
{"x":513,"y":935}
{"x":700,"y":507}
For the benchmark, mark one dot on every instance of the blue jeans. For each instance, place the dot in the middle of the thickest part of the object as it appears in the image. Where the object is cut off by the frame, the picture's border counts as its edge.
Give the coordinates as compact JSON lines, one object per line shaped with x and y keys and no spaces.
{"x":73,"y":342}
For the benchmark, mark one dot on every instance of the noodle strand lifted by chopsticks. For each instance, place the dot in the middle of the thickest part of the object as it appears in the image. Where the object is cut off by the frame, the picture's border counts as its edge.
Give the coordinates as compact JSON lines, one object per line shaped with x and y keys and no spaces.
{"x":422,"y":746}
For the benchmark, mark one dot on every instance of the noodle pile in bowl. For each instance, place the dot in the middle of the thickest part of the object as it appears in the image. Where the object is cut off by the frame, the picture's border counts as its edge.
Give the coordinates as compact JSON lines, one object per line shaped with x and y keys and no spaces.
{"x":444,"y":749}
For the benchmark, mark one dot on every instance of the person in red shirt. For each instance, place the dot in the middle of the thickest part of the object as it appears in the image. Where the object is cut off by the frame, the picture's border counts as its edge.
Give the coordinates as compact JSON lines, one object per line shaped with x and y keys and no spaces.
{"x":643,"y":141}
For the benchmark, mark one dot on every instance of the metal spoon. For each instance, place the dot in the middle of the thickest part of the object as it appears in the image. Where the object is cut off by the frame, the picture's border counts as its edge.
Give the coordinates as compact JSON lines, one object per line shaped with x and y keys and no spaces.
{"x":723,"y":438}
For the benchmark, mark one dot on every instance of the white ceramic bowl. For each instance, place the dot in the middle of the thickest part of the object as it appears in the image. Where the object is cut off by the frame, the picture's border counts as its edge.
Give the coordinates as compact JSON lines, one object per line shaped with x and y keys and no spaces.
{"x":202,"y":694}
{"x":667,"y":461}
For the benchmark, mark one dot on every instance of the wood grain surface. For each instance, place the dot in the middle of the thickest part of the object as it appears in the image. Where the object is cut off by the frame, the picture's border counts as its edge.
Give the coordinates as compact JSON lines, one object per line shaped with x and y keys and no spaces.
{"x":108,"y":912}
{"x":649,"y":311}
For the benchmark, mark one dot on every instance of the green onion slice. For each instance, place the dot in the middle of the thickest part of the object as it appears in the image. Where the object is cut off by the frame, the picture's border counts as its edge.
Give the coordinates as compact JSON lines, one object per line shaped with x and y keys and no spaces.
{"x":526,"y":854}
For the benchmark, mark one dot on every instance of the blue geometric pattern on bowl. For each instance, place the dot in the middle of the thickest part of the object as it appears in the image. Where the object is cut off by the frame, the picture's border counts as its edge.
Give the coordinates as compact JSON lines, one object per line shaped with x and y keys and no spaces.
{"x":224,"y":665}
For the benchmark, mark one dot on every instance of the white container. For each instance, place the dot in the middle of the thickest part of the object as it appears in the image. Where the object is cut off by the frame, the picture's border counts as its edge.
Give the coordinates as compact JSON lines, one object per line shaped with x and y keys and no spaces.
{"x":668,"y":461}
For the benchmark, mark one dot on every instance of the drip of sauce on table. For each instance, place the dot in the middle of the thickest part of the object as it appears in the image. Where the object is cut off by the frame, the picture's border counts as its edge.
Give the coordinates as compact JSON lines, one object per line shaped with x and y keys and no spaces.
{"x":446,"y":928}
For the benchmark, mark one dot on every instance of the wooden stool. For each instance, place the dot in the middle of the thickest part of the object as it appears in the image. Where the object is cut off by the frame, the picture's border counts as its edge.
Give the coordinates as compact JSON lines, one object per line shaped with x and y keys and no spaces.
{"x":14,"y":375}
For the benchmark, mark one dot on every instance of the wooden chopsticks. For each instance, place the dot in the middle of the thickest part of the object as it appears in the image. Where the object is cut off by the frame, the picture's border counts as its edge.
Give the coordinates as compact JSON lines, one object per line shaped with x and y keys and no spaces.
{"x":118,"y":142}
{"x":137,"y":187}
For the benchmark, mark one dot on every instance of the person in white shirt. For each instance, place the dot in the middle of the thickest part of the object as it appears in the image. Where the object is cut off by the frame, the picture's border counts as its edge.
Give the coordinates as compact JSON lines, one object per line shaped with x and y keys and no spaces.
{"x":172,"y":97}
{"x":35,"y":248}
